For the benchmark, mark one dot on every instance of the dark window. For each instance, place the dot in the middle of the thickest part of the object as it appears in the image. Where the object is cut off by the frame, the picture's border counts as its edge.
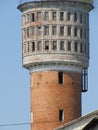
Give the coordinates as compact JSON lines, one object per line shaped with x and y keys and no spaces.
{"x":81,"y":33}
{"x":53,"y":30}
{"x":69,"y":45}
{"x":69,"y":31}
{"x":33,"y":17}
{"x":69,"y":16}
{"x":62,"y":30}
{"x":33,"y":46}
{"x":27,"y":32}
{"x":75,"y":17}
{"x":46,"y":45}
{"x":46,"y":32}
{"x":46,"y":16}
{"x":81,"y":48}
{"x":54,"y":45}
{"x":61,"y":16}
{"x":28,"y":46}
{"x":81,"y":19}
{"x":75,"y":31}
{"x":61,"y":115}
{"x":54,"y":16}
{"x":76,"y":47}
{"x":62,"y":45}
{"x":60,"y":77}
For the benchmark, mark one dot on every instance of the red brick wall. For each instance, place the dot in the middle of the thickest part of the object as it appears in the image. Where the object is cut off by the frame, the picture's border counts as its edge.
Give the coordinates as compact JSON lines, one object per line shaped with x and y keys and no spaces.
{"x":47,"y":97}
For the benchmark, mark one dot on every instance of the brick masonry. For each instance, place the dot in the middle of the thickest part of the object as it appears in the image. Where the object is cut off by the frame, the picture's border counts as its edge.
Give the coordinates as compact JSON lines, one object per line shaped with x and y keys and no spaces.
{"x":48,"y":97}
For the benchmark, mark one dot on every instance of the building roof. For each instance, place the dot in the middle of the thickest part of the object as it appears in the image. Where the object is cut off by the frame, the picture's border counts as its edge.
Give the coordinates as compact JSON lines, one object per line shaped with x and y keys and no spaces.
{"x":81,"y":123}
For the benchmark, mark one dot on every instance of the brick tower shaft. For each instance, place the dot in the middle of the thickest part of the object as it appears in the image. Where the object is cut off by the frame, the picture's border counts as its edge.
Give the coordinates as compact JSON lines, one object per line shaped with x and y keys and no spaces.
{"x":55,"y":99}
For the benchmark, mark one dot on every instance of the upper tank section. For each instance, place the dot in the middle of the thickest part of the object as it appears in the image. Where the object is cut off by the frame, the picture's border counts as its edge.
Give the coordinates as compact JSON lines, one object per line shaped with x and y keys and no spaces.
{"x":55,"y":34}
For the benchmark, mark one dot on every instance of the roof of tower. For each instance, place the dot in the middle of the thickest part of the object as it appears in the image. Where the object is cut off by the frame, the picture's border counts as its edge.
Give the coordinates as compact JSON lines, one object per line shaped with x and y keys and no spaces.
{"x":86,"y":1}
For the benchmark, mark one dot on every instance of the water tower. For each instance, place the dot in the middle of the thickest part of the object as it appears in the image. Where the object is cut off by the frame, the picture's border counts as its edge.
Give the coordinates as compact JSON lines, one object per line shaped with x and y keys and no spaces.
{"x":55,"y":42}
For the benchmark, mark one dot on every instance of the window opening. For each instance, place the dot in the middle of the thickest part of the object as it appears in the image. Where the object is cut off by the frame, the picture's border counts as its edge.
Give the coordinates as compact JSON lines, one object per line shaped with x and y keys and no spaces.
{"x":28,"y":46}
{"x":27,"y":32}
{"x":61,"y":16}
{"x":33,"y":46}
{"x":53,"y":30}
{"x":54,"y":45}
{"x":39,"y":46}
{"x":81,"y":48}
{"x":46,"y":45}
{"x":33,"y":17}
{"x":62,"y":30}
{"x":54,"y":16}
{"x":75,"y":17}
{"x":62,"y":45}
{"x":75,"y":31}
{"x":38,"y":15}
{"x":46,"y":32}
{"x":27,"y":18}
{"x":69,"y":16}
{"x":33,"y":32}
{"x":46,"y":16}
{"x":69,"y":45}
{"x":24,"y":48}
{"x":84,"y":80}
{"x":60,"y":77}
{"x":61,"y":115}
{"x":39,"y":31}
{"x":81,"y":19}
{"x":81,"y":33}
{"x":76,"y":47}
{"x":69,"y":30}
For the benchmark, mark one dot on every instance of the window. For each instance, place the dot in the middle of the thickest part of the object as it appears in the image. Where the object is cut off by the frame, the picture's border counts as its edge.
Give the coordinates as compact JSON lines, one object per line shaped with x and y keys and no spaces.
{"x":69,"y":16}
{"x":46,"y":45}
{"x":62,"y":45}
{"x":54,"y":45}
{"x":33,"y":17}
{"x":60,"y":77}
{"x":69,"y":30}
{"x":27,"y":18}
{"x":76,"y":47}
{"x":39,"y":46}
{"x":38,"y":16}
{"x":81,"y":48}
{"x":28,"y":47}
{"x":61,"y":16}
{"x":27,"y":32}
{"x":54,"y":16}
{"x":33,"y":46}
{"x":33,"y":31}
{"x":75,"y":17}
{"x":69,"y":45}
{"x":81,"y":19}
{"x":46,"y":31}
{"x":39,"y":31}
{"x":53,"y":30}
{"x":24,"y":48}
{"x":62,"y":30}
{"x":75,"y":31}
{"x":46,"y":16}
{"x":81,"y":33}
{"x":61,"y":115}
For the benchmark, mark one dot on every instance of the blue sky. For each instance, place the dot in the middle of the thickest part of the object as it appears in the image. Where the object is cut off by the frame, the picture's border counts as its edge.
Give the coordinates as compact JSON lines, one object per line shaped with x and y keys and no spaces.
{"x":14,"y":80}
